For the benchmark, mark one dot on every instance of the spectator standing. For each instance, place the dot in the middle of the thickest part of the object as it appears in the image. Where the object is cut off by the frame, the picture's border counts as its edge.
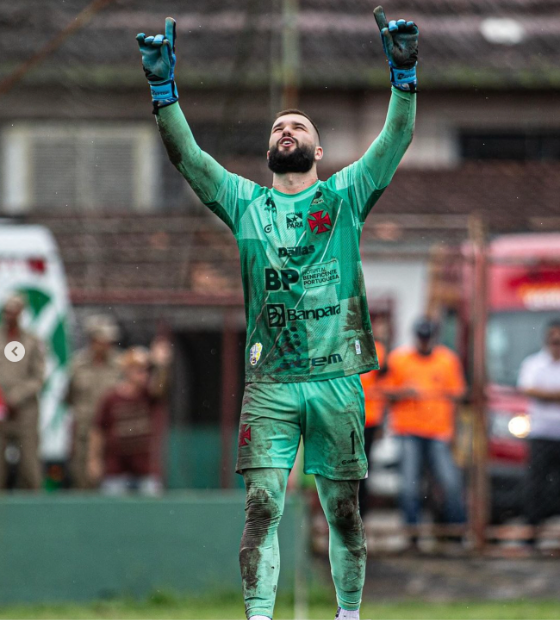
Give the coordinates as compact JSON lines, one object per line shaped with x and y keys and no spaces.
{"x":539,"y":379}
{"x":375,"y":403}
{"x":424,"y":383}
{"x":95,"y":369}
{"x":125,"y":449}
{"x":21,"y":383}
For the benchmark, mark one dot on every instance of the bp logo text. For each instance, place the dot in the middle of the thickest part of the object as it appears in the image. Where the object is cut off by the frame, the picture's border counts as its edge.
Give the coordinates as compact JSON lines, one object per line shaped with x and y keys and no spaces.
{"x":279,"y":279}
{"x":278,"y":315}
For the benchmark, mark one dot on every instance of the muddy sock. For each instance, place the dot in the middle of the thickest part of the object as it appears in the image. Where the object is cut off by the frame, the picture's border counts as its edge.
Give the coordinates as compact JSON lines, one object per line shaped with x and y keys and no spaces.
{"x":347,"y":542}
{"x":259,"y":556}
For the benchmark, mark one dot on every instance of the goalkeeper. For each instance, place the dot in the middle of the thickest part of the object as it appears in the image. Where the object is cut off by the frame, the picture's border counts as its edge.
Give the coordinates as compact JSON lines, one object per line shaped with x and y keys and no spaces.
{"x":308,"y":328}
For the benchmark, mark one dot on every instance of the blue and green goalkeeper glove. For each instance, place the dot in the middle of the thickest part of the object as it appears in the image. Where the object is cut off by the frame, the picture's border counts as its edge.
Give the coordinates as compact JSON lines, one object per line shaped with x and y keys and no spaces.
{"x":400,"y":42}
{"x":158,"y":60}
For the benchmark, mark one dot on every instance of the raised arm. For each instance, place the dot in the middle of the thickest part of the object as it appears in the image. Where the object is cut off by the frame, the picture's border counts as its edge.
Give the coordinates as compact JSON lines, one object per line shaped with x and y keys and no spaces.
{"x":400,"y":43}
{"x":203,"y":173}
{"x":364,"y":181}
{"x":384,"y":155}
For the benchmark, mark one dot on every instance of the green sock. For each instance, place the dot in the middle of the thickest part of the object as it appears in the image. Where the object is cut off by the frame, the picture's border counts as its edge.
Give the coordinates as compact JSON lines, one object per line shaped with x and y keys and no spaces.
{"x":347,"y":542}
{"x":259,"y":555}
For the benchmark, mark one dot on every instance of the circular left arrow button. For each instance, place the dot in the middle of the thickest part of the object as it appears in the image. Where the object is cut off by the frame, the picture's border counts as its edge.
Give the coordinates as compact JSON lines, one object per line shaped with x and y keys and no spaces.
{"x":14,"y":351}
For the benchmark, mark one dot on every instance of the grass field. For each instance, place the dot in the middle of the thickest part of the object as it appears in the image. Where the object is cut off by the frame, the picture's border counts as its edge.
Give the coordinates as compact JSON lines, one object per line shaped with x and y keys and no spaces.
{"x":230,"y":607}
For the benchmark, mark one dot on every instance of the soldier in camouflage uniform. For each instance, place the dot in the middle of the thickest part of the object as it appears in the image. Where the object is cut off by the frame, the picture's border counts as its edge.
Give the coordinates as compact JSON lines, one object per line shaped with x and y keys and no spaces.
{"x":21,"y":383}
{"x":95,"y":370}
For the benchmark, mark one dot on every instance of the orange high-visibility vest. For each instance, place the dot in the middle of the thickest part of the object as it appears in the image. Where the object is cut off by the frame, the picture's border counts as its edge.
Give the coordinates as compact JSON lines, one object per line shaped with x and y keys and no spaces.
{"x":372,"y":382}
{"x":437,"y":378}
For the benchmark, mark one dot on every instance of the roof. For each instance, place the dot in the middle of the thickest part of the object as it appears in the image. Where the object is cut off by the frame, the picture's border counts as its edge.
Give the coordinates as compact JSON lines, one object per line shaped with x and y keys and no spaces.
{"x":492,"y":43}
{"x":165,"y":255}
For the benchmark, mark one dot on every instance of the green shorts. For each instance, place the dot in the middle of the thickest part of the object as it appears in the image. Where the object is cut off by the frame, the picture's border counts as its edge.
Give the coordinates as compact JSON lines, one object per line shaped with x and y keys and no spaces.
{"x":329,"y":415}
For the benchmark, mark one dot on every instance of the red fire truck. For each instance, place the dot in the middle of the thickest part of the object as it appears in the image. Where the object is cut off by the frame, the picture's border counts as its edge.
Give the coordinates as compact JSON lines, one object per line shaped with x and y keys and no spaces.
{"x":522,"y":295}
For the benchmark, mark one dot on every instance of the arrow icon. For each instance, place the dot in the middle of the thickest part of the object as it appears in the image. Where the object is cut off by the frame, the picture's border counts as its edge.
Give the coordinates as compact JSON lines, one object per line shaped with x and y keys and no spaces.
{"x":14,"y":351}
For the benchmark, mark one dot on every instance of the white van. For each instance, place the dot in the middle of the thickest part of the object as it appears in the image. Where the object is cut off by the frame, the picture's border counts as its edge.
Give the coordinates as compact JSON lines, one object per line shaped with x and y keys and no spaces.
{"x":30,"y":264}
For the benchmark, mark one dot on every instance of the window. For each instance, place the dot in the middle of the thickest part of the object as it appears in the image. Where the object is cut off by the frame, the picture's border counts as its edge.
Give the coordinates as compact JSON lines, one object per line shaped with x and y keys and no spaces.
{"x":511,"y":145}
{"x":79,"y":167}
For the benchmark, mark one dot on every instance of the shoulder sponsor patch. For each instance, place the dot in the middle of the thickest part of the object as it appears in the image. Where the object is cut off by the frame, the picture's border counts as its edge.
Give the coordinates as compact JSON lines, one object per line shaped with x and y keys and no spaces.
{"x":321,"y":274}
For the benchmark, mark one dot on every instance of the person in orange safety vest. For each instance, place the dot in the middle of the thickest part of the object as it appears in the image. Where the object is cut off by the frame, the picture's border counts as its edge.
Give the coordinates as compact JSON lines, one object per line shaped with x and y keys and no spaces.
{"x":424,"y":383}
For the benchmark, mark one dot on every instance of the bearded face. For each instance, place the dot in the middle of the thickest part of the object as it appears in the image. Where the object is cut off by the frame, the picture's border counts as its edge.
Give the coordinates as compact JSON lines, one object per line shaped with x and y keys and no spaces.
{"x":300,"y":158}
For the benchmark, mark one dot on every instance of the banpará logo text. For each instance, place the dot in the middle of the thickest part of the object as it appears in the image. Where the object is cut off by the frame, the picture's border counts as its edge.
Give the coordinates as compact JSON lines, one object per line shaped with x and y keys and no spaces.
{"x":278,"y":315}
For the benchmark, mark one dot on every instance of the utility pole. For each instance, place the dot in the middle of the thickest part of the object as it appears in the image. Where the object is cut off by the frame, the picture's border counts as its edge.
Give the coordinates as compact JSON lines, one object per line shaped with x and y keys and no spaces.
{"x":290,"y":54}
{"x":479,"y":482}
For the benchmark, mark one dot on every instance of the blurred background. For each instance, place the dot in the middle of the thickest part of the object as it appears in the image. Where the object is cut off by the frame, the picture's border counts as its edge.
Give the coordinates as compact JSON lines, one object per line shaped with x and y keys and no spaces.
{"x":106,"y":247}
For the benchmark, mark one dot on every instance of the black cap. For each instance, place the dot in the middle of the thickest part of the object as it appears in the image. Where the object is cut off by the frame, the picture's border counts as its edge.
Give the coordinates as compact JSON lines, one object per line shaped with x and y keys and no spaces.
{"x":425,"y":328}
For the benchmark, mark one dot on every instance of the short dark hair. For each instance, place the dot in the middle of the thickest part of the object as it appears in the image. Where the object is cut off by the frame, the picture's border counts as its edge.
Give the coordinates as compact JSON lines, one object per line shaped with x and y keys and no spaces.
{"x":553,"y":324}
{"x":301,"y":113}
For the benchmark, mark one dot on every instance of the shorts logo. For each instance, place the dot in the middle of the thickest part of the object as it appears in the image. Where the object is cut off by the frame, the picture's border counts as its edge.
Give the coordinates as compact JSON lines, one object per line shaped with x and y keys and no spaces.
{"x":294,"y":220}
{"x":244,"y":435}
{"x":255,"y":353}
{"x":319,"y":222}
{"x":281,"y":279}
{"x":278,"y":315}
{"x":302,"y":250}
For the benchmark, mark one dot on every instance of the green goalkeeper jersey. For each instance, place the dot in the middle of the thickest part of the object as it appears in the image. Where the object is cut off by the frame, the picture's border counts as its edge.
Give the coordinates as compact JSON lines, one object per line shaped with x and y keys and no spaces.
{"x":305,"y":297}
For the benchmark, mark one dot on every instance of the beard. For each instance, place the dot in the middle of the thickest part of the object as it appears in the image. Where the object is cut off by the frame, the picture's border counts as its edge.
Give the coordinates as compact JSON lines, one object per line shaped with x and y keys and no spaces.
{"x":300,"y":159}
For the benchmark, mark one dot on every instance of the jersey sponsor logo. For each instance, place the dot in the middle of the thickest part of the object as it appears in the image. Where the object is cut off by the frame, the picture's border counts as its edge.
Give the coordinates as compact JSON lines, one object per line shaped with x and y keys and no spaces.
{"x":244,"y":435}
{"x":255,"y":353}
{"x":333,"y":358}
{"x":300,"y":250}
{"x":319,"y":222}
{"x":318,"y":200}
{"x":321,"y":274}
{"x":279,"y":279}
{"x":278,"y":315}
{"x":302,"y":362}
{"x":268,"y":228}
{"x":294,"y":220}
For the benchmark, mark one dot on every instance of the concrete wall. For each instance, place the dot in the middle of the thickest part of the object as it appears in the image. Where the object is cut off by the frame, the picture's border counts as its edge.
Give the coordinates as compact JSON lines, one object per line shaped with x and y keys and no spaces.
{"x":84,"y":547}
{"x":404,"y":283}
